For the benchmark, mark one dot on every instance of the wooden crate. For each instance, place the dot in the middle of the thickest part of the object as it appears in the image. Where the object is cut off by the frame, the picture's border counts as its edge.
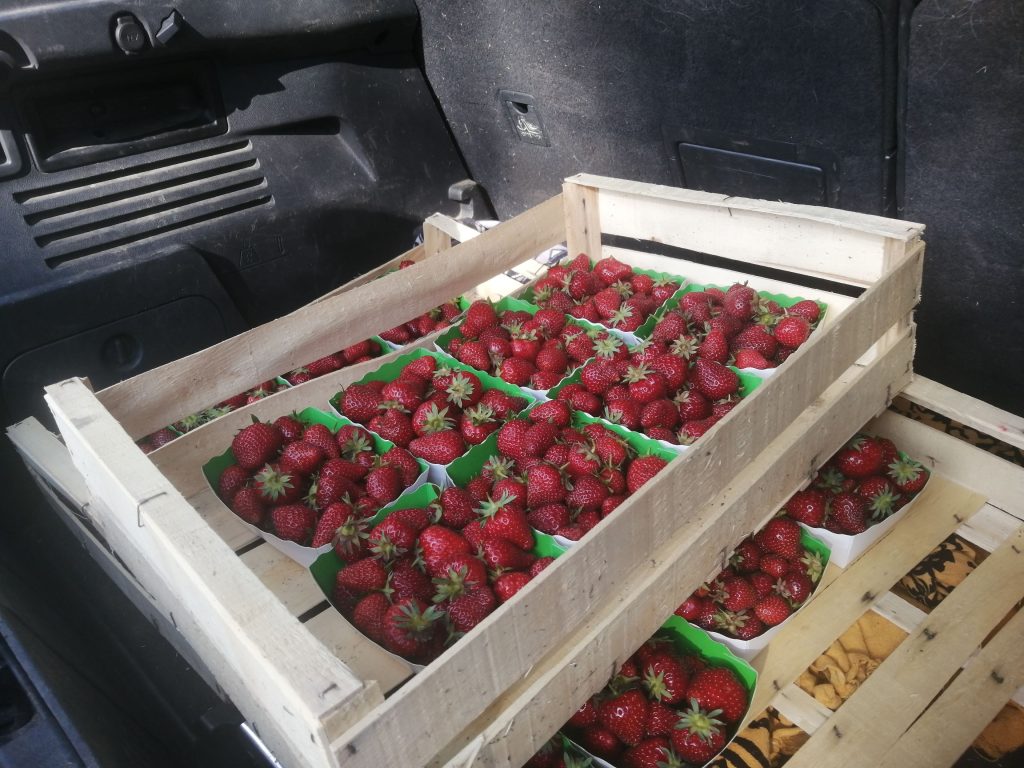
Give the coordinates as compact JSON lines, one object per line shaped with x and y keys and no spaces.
{"x":310,"y":685}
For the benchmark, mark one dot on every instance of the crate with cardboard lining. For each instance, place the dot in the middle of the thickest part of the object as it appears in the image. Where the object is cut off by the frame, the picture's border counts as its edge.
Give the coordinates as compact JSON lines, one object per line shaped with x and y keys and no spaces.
{"x":312,"y":690}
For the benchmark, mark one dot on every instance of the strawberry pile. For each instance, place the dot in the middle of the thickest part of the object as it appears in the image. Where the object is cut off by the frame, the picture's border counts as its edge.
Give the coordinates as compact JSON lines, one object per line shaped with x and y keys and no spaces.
{"x":297,"y":480}
{"x":430,"y":321}
{"x":770,"y":575}
{"x":556,"y":754}
{"x":611,"y":294}
{"x":863,"y":484}
{"x":421,"y":578}
{"x":357,"y":353}
{"x":163,"y":436}
{"x":435,"y":411}
{"x":535,"y":351}
{"x":736,"y":326}
{"x":652,"y":388}
{"x":663,"y":707}
{"x":565,"y":479}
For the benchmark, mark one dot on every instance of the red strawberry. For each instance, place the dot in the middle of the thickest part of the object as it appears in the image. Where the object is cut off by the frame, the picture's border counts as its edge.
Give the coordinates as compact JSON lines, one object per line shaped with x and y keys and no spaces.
{"x":502,"y":404}
{"x":665,"y":678}
{"x":502,"y":520}
{"x":782,"y":536}
{"x":764,"y":583}
{"x":256,"y":444}
{"x":881,"y":498}
{"x":698,"y":736}
{"x":807,"y":507}
{"x":549,"y":518}
{"x":737,"y":594}
{"x":368,"y":615}
{"x":301,"y":457}
{"x":792,"y":331}
{"x":456,"y":576}
{"x":359,"y":402}
{"x":746,"y":557}
{"x":585,"y":716}
{"x":847,"y":514}
{"x":599,"y":376}
{"x":544,"y":486}
{"x":277,"y":486}
{"x":539,"y":565}
{"x":772,"y":610}
{"x":476,"y":355}
{"x":538,"y":438}
{"x":774,"y":565}
{"x":715,"y":347}
{"x":512,"y":437}
{"x":610,"y":270}
{"x":661,"y":719}
{"x":908,"y":476}
{"x":862,"y":457}
{"x":409,"y":626}
{"x":384,"y":484}
{"x":749,"y":358}
{"x":503,"y":554}
{"x":714,"y":380}
{"x":691,"y":607}
{"x":796,"y":587}
{"x":248,"y":505}
{"x":439,"y":545}
{"x":555,"y":411}
{"x":291,"y":428}
{"x":692,"y":405}
{"x":516,"y":370}
{"x":391,"y":538}
{"x":439,"y":448}
{"x":393,"y":425}
{"x":468,"y":610}
{"x":625,"y":716}
{"x":718,"y":688}
{"x":479,"y":315}
{"x":408,"y":581}
{"x":650,"y":753}
{"x":339,"y":524}
{"x":740,"y":301}
{"x":601,"y":742}
{"x":456,"y":507}
{"x":231,"y":480}
{"x":293,"y":522}
{"x":362,"y":576}
{"x":508,"y":584}
{"x":642,"y":469}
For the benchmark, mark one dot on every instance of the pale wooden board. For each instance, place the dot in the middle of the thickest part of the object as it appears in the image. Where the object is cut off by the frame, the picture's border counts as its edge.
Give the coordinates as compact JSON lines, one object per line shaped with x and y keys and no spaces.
{"x":159,"y":396}
{"x":1001,"y":481}
{"x":989,"y":528}
{"x":293,"y":585}
{"x":887,"y":703}
{"x":582,"y":222}
{"x":221,"y":520}
{"x":938,"y":511}
{"x":693,"y":540}
{"x":894,"y":608}
{"x":837,"y":245}
{"x":435,"y":239}
{"x":285,"y":680}
{"x":949,"y":726}
{"x":1000,"y":424}
{"x":802,"y":709}
{"x":44,"y":452}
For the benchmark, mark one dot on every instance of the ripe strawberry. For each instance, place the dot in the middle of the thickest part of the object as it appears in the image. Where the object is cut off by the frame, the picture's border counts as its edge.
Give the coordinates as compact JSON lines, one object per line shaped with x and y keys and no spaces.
{"x":642,"y":469}
{"x":807,"y":309}
{"x":391,"y":538}
{"x":782,"y":536}
{"x":469,"y":609}
{"x":248,"y":505}
{"x":599,"y":376}
{"x":409,"y":626}
{"x":362,"y":576}
{"x":749,"y":358}
{"x":407,"y":581}
{"x":671,"y":326}
{"x":746,"y":557}
{"x":737,"y":594}
{"x":625,"y":411}
{"x":698,"y":735}
{"x":291,"y":428}
{"x":585,"y":716}
{"x":456,"y":507}
{"x":300,"y":457}
{"x":739,"y":302}
{"x":508,"y":584}
{"x":882,"y":499}
{"x":539,"y":565}
{"x":792,"y":331}
{"x":862,"y":457}
{"x":540,"y":436}
{"x":690,"y":608}
{"x":556,"y":412}
{"x":549,"y":518}
{"x":277,"y":486}
{"x":393,"y":425}
{"x":440,"y":545}
{"x":907,"y":475}
{"x":665,"y":678}
{"x":610,"y":270}
{"x":231,"y":480}
{"x":256,"y":444}
{"x":692,"y":405}
{"x":408,"y":468}
{"x":438,"y":448}
{"x":672,"y":368}
{"x":650,"y":753}
{"x":795,"y":586}
{"x":500,"y":553}
{"x":625,"y":716}
{"x":587,"y":493}
{"x":601,"y":742}
{"x":847,"y":514}
{"x":659,"y":413}
{"x":807,"y":507}
{"x":479,"y":315}
{"x":293,"y":522}
{"x":543,"y":486}
{"x":772,"y":610}
{"x":368,"y":615}
{"x":714,"y":380}
{"x":718,"y":688}
{"x":774,"y":565}
{"x":456,"y":576}
{"x":384,"y":484}
{"x":714,"y":348}
{"x":359,"y":402}
{"x":503,"y":520}
{"x":764,"y":583}
{"x":740,"y":625}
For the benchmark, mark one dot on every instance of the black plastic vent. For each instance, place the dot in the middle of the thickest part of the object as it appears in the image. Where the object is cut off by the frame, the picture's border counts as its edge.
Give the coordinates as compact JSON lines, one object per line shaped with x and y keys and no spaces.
{"x":97,"y":213}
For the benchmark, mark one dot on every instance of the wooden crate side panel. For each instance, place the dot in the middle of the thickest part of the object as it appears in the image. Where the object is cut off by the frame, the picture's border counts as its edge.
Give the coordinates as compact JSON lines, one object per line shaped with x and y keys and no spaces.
{"x":582,"y":222}
{"x":152,"y":399}
{"x":972,"y":701}
{"x":614,"y":628}
{"x":697,"y":476}
{"x":1000,"y":424}
{"x":265,"y":660}
{"x":888,"y":702}
{"x":772,"y":235}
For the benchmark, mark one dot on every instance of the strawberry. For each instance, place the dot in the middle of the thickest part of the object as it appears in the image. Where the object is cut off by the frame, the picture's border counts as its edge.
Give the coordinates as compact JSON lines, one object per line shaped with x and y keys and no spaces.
{"x":807,"y":507}
{"x":692,"y":405}
{"x":500,"y":553}
{"x":718,"y":688}
{"x":796,"y":587}
{"x":539,"y":565}
{"x":599,"y":376}
{"x":391,"y":538}
{"x":714,"y":348}
{"x":665,"y":678}
{"x":231,"y":480}
{"x":361,"y":577}
{"x":469,"y":609}
{"x":359,"y":402}
{"x":650,"y":753}
{"x":907,"y":475}
{"x":409,"y":625}
{"x":740,"y":625}
{"x":502,"y":520}
{"x":293,"y":522}
{"x":860,"y":458}
{"x":749,"y":358}
{"x":847,"y":514}
{"x":739,"y":302}
{"x":543,"y":486}
{"x":610,"y":270}
{"x":479,"y":315}
{"x":456,"y":576}
{"x":625,"y":716}
{"x":659,"y":413}
{"x":556,"y":412}
{"x":792,"y":331}
{"x":247,"y":503}
{"x":746,"y":557}
{"x":456,"y":507}
{"x":601,"y":742}
{"x":339,"y":524}
{"x":626,"y":412}
{"x":301,"y":458}
{"x":645,"y":385}
{"x":407,"y":580}
{"x":549,"y":518}
{"x":508,"y":584}
{"x":538,"y":438}
{"x":291,"y":428}
{"x":477,"y":355}
{"x":440,"y":545}
{"x":256,"y":444}
{"x":439,"y":448}
{"x":774,"y":565}
{"x":698,"y":735}
{"x":881,"y":498}
{"x":642,"y":469}
{"x":690,"y":608}
{"x":672,"y":368}
{"x":384,"y":484}
{"x":737,"y":594}
{"x":755,"y":337}
{"x":782,"y":536}
{"x":772,"y":610}
{"x":277,"y":486}
{"x":368,"y":615}
{"x":714,"y":380}
{"x":807,"y":309}
{"x":393,"y":425}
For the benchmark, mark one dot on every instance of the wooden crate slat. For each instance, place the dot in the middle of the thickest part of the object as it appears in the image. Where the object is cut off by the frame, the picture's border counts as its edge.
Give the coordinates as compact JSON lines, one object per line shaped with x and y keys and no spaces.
{"x":1000,"y":424}
{"x":723,"y":453}
{"x":949,"y":726}
{"x":886,"y":704}
{"x":288,"y":580}
{"x":267,"y":662}
{"x":44,"y":452}
{"x":989,"y":528}
{"x":801,"y":709}
{"x":582,"y":223}
{"x":221,"y":520}
{"x":1001,"y":481}
{"x":937,"y":512}
{"x":613,"y":627}
{"x":154,"y":398}
{"x":836,"y":245}
{"x":894,"y":608}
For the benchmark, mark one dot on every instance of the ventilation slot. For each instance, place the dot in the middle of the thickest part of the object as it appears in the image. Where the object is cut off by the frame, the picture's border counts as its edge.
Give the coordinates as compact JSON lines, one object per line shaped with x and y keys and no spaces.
{"x":111,"y":210}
